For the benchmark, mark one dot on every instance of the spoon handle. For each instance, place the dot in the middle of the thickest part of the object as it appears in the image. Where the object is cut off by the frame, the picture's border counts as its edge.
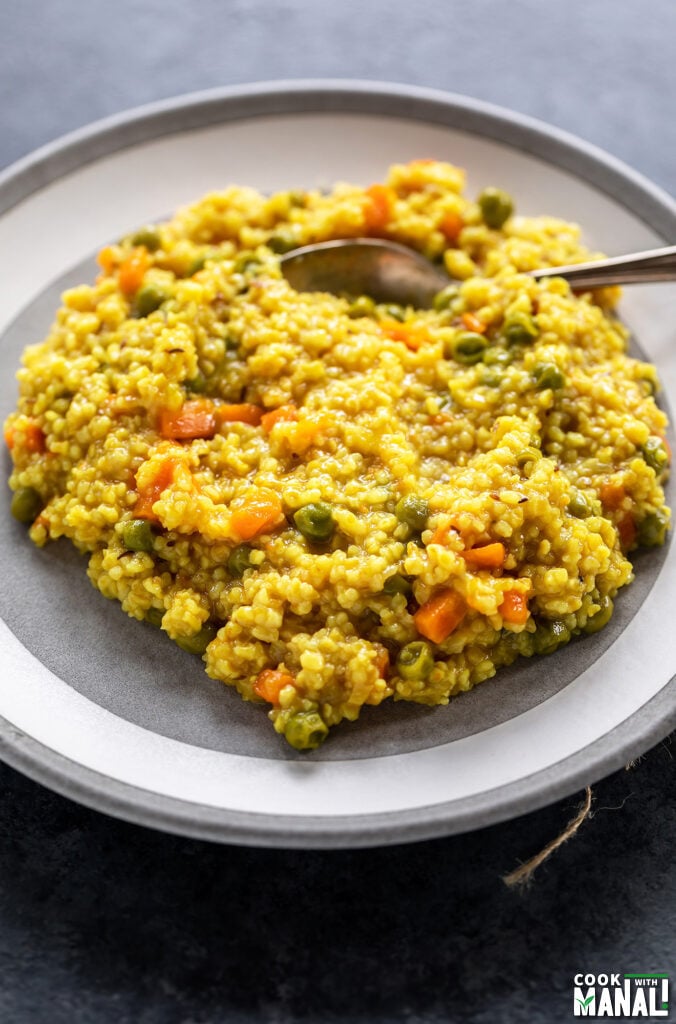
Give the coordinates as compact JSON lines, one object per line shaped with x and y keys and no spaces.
{"x":642,"y":267}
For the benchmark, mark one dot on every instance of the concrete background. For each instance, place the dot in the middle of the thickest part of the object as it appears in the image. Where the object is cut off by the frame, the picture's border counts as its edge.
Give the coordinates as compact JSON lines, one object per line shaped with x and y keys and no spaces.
{"x":106,"y":922}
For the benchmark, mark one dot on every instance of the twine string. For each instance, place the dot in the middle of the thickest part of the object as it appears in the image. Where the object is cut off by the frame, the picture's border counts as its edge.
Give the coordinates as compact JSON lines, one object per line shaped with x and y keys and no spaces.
{"x":523,"y":874}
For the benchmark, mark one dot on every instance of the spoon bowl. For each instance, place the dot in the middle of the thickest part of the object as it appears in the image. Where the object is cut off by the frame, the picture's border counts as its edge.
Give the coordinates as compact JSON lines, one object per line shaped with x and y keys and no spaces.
{"x":385,"y":271}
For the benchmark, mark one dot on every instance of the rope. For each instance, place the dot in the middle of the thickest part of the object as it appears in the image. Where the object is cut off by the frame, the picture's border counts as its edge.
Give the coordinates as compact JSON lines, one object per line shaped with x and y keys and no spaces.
{"x":523,"y":874}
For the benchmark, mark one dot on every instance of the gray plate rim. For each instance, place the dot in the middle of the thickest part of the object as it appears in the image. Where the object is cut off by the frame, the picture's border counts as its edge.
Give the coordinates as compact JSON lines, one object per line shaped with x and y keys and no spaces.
{"x":642,"y":730}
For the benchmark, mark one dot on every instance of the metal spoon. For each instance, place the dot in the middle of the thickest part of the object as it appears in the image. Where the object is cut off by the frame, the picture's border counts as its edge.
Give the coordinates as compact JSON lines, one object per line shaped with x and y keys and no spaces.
{"x":389,"y":272}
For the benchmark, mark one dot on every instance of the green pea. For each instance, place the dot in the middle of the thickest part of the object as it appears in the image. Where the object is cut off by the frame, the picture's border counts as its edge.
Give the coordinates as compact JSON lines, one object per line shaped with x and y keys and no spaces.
{"x":306,"y":730}
{"x":196,"y":265}
{"x":138,"y":535}
{"x":315,"y":521}
{"x":548,"y":375}
{"x":362,"y":306}
{"x":520,"y":329}
{"x":154,"y":616}
{"x":578,"y":504}
{"x":496,"y":207}
{"x":26,"y":504}
{"x":413,"y":511}
{"x":601,"y":617}
{"x":527,"y":457}
{"x":148,"y":236}
{"x":198,"y":642}
{"x":394,"y":312}
{"x":246,"y":262}
{"x":239,"y":560}
{"x":468,"y":347}
{"x":415,"y":661}
{"x":655,"y":454}
{"x":496,"y":356}
{"x":550,"y":635}
{"x":652,"y":529}
{"x":397,"y":584}
{"x":282,"y":242}
{"x":491,"y":377}
{"x":368,"y":621}
{"x":443,"y":299}
{"x":149,"y":298}
{"x":197,"y":384}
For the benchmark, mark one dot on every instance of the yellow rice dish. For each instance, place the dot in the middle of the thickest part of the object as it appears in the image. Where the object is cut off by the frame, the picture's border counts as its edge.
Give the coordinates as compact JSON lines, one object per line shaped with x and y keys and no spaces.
{"x":335,"y":502}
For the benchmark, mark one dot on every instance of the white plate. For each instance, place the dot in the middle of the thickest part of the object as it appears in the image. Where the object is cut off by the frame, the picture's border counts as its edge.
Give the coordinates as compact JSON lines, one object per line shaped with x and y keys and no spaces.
{"x":109,"y":712}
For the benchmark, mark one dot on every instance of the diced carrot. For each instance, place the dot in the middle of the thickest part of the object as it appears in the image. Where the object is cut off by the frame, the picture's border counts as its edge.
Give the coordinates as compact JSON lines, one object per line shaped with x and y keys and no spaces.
{"x":514,"y":607}
{"x":438,"y":617}
{"x":253,"y":516}
{"x":626,"y":528}
{"x":382,"y":660}
{"x":106,"y":259}
{"x":35,"y":438}
{"x":270,"y":683}
{"x":194,"y":419}
{"x":451,"y":226}
{"x":133,"y":269}
{"x":378,"y":204}
{"x":284,"y":414}
{"x":244,"y":412}
{"x":473,"y":323}
{"x":413,"y":336}
{"x":490,"y":556}
{"x":31,"y":437}
{"x":153,"y":489}
{"x":612,"y":494}
{"x":440,"y":535}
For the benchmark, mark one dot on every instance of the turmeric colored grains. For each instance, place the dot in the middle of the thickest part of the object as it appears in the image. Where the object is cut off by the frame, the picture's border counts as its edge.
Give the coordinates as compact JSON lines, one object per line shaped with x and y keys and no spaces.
{"x":330,"y":500}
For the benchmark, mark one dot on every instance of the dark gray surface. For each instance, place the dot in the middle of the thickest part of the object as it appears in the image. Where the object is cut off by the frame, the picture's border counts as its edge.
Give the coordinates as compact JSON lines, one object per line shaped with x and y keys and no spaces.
{"x":106,"y":922}
{"x":101,"y":921}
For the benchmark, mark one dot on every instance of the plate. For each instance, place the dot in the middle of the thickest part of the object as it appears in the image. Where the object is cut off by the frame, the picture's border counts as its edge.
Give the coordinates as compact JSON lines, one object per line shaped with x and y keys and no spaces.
{"x":105,"y":709}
